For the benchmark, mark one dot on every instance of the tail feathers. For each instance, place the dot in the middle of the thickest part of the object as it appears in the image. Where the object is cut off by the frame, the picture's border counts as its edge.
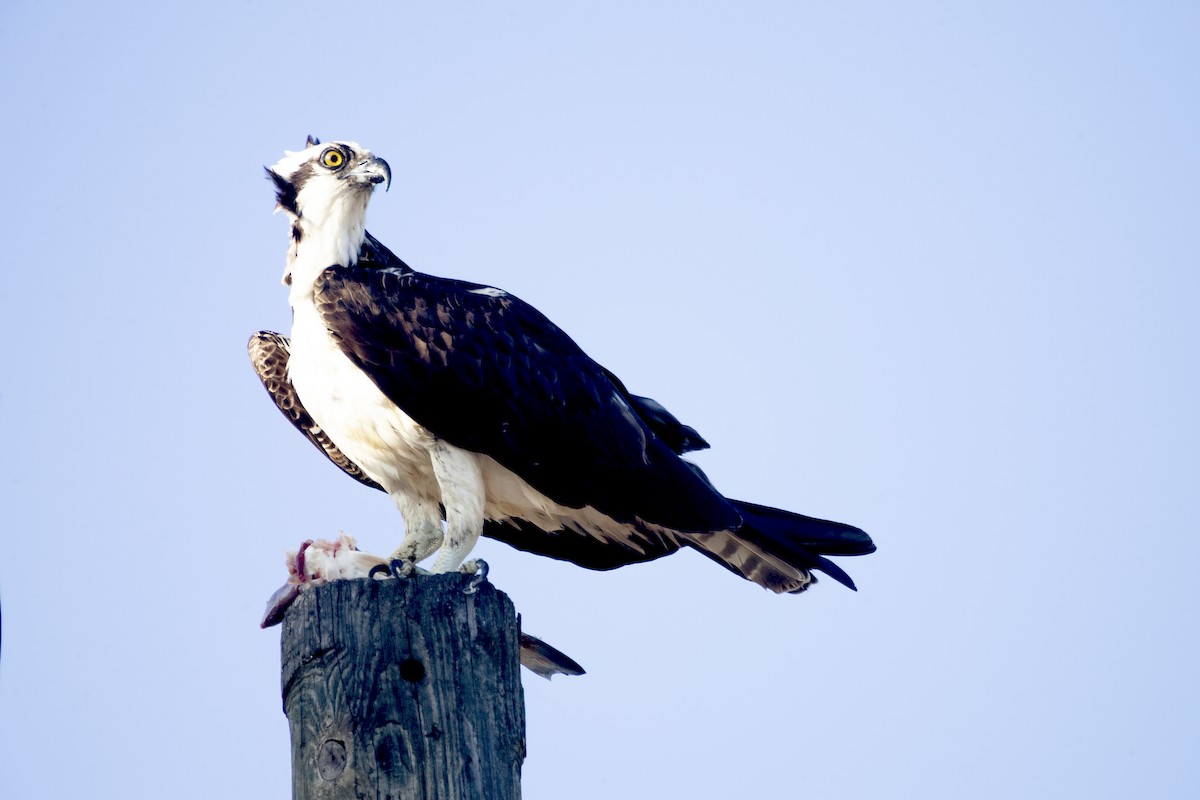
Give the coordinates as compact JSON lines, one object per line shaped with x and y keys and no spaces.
{"x":778,"y":549}
{"x":834,"y":571}
{"x":819,"y":535}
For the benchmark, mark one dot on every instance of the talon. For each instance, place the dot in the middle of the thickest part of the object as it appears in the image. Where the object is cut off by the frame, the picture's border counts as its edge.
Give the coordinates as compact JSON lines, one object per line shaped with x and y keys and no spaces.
{"x":402,"y":568}
{"x":479,"y":569}
{"x":474,"y":567}
{"x":380,"y":569}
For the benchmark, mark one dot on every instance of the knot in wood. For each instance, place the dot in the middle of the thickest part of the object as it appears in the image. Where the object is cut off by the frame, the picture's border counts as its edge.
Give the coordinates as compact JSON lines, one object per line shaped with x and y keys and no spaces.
{"x":331,"y":760}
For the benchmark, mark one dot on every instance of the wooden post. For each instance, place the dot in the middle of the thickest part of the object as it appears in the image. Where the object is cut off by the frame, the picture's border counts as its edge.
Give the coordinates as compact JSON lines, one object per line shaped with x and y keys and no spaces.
{"x":404,"y":688}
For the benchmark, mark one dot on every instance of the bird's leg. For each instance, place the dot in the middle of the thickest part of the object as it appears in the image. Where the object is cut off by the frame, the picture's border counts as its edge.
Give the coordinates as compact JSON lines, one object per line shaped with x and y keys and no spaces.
{"x":422,"y":534}
{"x":461,"y":482}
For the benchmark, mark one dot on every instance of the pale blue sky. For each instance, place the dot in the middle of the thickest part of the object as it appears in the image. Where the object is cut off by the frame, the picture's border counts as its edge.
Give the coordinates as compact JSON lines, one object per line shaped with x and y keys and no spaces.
{"x":927,"y":268}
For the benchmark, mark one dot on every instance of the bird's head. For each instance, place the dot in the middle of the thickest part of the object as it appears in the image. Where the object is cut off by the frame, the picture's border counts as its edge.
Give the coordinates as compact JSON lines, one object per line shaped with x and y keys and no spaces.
{"x":321,"y":175}
{"x":324,"y":189}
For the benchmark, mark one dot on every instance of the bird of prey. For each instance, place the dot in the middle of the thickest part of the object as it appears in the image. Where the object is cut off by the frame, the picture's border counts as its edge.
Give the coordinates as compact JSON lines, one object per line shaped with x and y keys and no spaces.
{"x":478,"y":415}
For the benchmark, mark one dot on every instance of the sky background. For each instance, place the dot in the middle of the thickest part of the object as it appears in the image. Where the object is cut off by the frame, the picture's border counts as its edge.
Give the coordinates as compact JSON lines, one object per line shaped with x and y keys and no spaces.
{"x":930,"y":268}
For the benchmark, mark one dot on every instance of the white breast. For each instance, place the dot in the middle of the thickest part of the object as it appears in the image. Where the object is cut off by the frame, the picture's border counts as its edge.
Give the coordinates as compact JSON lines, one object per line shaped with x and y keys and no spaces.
{"x":389,"y":446}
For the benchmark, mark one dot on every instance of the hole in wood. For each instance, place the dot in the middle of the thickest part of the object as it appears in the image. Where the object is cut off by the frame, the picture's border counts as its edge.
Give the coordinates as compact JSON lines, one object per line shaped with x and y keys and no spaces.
{"x":412,"y":670}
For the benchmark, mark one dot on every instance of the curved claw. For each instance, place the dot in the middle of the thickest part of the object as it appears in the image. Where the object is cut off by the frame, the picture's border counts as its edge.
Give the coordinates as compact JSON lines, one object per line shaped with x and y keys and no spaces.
{"x":480,"y":569}
{"x":380,"y":569}
{"x":401,"y":568}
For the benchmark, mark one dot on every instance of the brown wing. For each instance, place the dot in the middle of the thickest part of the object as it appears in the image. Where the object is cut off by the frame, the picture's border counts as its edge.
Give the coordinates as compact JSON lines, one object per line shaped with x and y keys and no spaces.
{"x":269,"y":352}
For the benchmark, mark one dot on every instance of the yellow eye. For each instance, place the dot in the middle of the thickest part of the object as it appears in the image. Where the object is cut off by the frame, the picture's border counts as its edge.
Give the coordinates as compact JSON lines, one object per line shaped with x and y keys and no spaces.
{"x":333,"y":158}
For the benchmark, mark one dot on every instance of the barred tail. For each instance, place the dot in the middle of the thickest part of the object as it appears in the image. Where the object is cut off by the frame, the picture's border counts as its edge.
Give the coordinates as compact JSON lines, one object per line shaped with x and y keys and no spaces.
{"x":779,"y":549}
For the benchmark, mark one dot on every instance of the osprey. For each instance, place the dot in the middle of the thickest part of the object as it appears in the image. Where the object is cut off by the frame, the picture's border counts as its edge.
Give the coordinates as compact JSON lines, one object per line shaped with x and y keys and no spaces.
{"x":478,"y":415}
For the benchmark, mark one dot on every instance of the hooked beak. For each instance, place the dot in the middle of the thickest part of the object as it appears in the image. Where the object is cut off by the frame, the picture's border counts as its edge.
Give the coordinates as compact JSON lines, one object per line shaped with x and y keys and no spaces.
{"x":374,"y":171}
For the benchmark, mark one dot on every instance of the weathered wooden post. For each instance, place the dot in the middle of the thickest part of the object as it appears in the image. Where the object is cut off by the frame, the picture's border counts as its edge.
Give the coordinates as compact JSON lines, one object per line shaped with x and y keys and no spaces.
{"x":404,"y":688}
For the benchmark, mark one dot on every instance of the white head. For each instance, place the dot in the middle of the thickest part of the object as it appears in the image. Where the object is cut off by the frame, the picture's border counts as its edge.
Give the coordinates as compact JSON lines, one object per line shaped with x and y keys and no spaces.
{"x":324,"y":190}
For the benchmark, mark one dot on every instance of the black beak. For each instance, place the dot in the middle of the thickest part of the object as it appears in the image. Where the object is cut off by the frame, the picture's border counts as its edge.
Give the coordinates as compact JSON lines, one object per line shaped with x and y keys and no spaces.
{"x":371,"y":170}
{"x":384,"y":174}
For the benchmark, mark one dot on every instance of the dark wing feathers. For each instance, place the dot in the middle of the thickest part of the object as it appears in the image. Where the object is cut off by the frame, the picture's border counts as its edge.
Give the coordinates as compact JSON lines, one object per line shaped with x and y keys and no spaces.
{"x":579,"y":549}
{"x":488,"y":373}
{"x":374,"y":253}
{"x":677,"y":436}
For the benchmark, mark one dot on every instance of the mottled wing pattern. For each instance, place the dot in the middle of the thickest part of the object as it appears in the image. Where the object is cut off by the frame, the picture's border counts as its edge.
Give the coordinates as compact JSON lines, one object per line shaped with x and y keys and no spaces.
{"x":269,"y":354}
{"x":488,"y":373}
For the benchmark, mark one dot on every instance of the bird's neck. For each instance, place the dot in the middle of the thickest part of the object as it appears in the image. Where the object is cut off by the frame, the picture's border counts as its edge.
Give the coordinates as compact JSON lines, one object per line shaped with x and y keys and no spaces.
{"x":323,"y":236}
